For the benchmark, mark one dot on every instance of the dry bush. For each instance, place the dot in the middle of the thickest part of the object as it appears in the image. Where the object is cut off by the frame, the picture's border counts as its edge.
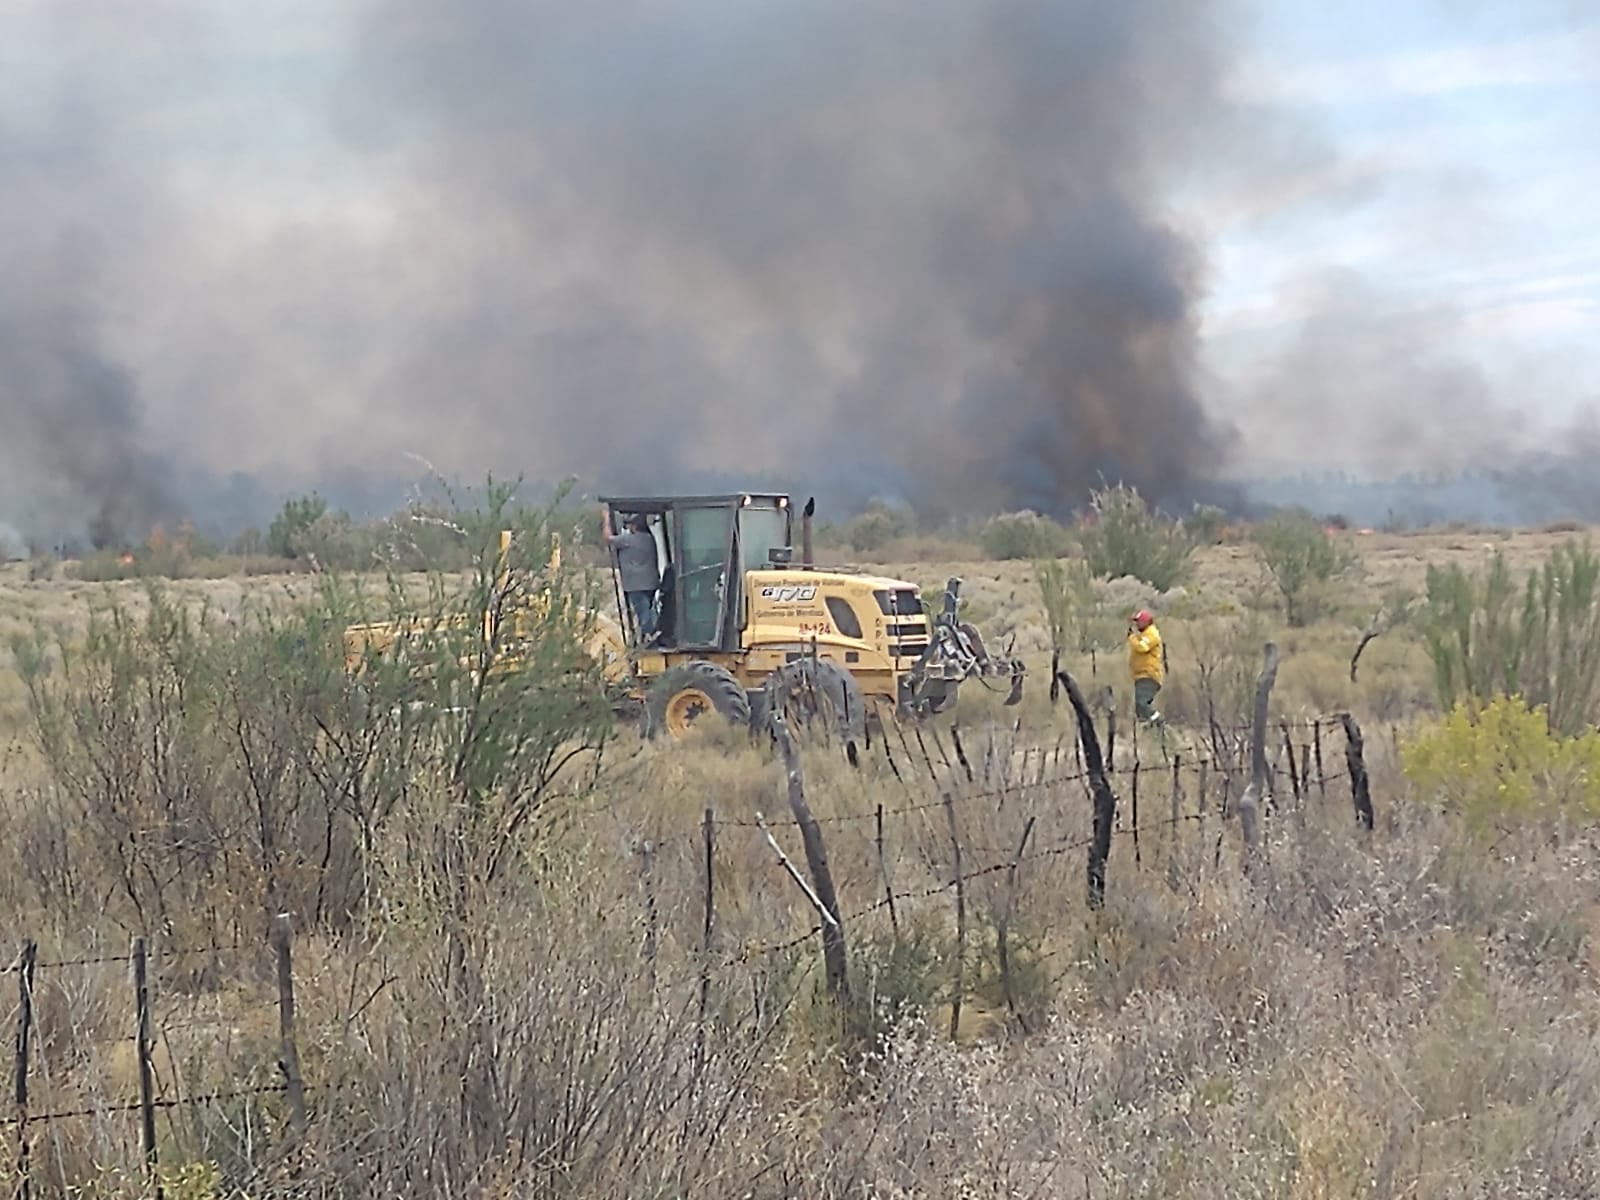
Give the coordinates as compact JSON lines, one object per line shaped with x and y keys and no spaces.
{"x":495,"y":1005}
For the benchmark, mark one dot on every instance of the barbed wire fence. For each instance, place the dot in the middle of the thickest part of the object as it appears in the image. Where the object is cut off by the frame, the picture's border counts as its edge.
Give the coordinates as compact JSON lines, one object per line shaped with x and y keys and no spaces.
{"x":983,"y":824}
{"x":151,"y":1019}
{"x":978,"y":821}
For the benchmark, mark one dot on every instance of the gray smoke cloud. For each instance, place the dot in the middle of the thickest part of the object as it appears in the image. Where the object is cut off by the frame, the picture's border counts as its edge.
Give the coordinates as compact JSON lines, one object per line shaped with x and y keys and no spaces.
{"x":71,"y":453}
{"x":863,"y":248}
{"x":919,"y":246}
{"x":1392,"y":388}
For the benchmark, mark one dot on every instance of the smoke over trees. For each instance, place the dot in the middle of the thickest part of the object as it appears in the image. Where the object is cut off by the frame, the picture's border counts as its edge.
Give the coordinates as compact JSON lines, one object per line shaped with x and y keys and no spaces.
{"x":926,"y":251}
{"x":70,"y":415}
{"x":926,"y":246}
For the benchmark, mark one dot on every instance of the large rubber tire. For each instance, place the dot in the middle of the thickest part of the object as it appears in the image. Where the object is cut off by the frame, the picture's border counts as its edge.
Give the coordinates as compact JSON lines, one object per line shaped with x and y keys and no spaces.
{"x":684,"y":693}
{"x":834,"y":689}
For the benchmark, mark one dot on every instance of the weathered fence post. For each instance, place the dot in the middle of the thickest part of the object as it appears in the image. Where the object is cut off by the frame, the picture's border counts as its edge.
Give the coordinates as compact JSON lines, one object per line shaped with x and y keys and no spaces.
{"x":883,"y":870}
{"x":1294,"y":767}
{"x":652,"y":920}
{"x":1316,"y":752}
{"x":961,"y":753}
{"x":1174,"y":838}
{"x":25,"y":964}
{"x":835,"y":956}
{"x":1003,"y":928}
{"x":282,"y":939}
{"x":1260,"y":778}
{"x":1138,"y":858}
{"x":1104,"y":799}
{"x":708,"y":838}
{"x":1355,"y":760}
{"x":961,"y":916}
{"x":147,"y":1100}
{"x":1111,"y":730}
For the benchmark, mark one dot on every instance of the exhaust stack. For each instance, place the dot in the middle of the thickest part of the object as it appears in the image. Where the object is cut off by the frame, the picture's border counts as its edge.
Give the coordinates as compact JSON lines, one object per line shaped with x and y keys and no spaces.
{"x":806,"y":559}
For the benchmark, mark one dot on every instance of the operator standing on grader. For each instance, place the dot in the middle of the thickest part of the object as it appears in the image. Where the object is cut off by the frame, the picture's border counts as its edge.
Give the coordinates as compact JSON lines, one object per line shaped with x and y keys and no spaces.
{"x":640,"y":567}
{"x":1145,"y":665}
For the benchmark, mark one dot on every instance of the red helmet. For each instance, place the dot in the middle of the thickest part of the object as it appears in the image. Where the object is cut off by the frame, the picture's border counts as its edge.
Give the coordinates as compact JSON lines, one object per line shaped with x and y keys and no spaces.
{"x":1143,"y":619}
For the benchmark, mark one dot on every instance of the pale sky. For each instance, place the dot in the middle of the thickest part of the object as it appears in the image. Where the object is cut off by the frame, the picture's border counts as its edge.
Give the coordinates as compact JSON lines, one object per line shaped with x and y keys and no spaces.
{"x":1464,"y":185}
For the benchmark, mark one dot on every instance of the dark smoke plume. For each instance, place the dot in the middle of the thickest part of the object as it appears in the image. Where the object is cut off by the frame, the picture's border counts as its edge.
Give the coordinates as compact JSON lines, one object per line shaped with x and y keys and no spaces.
{"x":916,"y":243}
{"x":71,"y":458}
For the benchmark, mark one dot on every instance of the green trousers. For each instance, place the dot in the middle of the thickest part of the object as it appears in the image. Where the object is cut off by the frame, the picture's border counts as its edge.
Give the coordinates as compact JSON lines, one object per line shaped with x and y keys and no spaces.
{"x":1144,"y":698}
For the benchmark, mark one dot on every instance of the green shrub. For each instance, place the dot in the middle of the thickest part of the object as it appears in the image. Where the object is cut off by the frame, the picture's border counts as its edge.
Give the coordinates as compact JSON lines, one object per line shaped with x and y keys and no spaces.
{"x":1070,"y":605}
{"x":1499,"y":762}
{"x":1487,"y":638}
{"x":286,"y":534}
{"x":1024,"y":535}
{"x":875,"y":528}
{"x":1127,"y":538}
{"x":1303,"y":560}
{"x":1205,"y":524}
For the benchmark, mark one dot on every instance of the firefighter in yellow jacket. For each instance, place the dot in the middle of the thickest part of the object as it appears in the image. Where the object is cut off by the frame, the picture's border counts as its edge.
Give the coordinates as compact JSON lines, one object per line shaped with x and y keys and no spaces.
{"x":1145,"y":664}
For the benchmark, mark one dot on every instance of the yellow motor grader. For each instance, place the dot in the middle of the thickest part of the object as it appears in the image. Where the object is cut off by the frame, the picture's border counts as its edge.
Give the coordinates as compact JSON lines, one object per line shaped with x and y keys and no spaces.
{"x":739,"y":625}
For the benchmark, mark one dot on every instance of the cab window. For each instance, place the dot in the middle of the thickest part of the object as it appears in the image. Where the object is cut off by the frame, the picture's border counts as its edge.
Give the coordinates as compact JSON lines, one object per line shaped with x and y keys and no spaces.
{"x":760,"y":529}
{"x":844,"y":617}
{"x":704,"y":535}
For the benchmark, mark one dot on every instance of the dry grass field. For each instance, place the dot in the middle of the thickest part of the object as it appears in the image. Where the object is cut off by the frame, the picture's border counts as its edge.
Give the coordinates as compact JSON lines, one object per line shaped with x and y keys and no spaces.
{"x":506,"y":986}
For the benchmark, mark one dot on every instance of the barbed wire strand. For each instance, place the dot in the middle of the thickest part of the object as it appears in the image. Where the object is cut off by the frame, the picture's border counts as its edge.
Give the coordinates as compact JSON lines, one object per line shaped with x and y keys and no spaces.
{"x":130,"y":1106}
{"x":152,"y":955}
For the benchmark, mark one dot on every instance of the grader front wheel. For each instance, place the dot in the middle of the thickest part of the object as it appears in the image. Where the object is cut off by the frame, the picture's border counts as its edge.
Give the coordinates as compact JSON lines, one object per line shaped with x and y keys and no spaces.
{"x":683,"y":695}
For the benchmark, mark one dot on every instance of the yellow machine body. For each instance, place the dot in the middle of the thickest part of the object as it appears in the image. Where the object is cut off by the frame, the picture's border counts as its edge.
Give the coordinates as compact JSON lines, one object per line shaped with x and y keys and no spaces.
{"x":733,"y":612}
{"x":790,"y":614}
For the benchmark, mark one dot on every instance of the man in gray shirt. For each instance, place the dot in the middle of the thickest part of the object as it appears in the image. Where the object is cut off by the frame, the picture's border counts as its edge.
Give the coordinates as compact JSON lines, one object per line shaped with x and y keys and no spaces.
{"x":638,"y":562}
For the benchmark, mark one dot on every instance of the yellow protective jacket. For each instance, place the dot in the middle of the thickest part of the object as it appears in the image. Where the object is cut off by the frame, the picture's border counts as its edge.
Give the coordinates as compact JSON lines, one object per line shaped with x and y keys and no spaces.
{"x":1144,"y":653}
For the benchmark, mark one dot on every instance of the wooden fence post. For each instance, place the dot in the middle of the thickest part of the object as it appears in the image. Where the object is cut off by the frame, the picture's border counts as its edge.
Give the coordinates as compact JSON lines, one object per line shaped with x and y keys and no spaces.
{"x":25,"y":965}
{"x":835,"y":956}
{"x":1138,"y":858}
{"x":883,"y":870}
{"x":1355,"y":760}
{"x":647,"y":883}
{"x":1104,"y":799}
{"x":1111,"y":730}
{"x":282,"y":939}
{"x":147,"y":1100}
{"x":1316,"y":752}
{"x":1003,"y":928}
{"x":1294,"y":767}
{"x":708,"y":837}
{"x":1260,"y":777}
{"x":961,"y":916}
{"x":1174,"y":838}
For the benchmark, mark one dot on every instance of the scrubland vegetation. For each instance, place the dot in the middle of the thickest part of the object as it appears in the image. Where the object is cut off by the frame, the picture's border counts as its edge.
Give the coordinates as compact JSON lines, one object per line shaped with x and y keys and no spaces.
{"x":506,"y":983}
